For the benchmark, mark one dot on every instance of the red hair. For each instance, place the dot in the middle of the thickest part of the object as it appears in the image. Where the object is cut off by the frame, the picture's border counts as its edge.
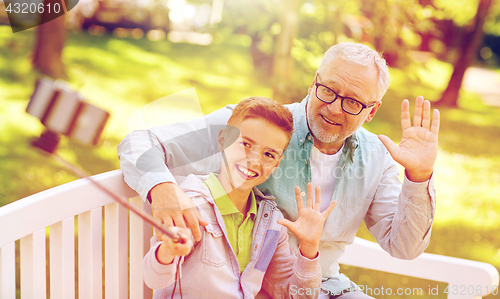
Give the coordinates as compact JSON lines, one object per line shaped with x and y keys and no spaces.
{"x":265,"y":108}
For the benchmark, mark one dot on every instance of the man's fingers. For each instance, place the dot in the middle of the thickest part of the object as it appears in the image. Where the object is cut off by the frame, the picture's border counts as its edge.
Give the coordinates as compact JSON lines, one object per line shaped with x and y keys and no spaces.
{"x":201,"y":220}
{"x":405,"y":115}
{"x":389,"y":145}
{"x":417,"y":116}
{"x":329,"y":209}
{"x":298,"y":197}
{"x":192,"y":222}
{"x":178,"y":220}
{"x":426,"y":117}
{"x":167,"y":221}
{"x":435,"y":122}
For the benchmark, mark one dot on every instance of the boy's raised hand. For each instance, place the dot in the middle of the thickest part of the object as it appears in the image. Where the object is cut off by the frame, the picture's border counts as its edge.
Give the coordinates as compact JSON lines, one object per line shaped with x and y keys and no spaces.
{"x":168,"y":249}
{"x":309,"y":226}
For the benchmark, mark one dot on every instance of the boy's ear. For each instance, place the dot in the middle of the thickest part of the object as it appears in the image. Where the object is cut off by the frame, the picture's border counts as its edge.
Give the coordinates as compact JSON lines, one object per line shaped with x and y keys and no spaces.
{"x":220,"y":140}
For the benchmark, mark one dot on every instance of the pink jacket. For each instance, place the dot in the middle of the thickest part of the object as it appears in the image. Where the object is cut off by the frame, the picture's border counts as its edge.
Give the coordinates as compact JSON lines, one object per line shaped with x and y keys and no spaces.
{"x":211,"y":270}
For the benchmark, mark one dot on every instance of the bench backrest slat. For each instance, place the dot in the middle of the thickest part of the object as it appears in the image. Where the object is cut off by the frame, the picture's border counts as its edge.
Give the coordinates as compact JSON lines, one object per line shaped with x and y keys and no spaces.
{"x":8,"y":271}
{"x":90,"y":254}
{"x":33,"y":275}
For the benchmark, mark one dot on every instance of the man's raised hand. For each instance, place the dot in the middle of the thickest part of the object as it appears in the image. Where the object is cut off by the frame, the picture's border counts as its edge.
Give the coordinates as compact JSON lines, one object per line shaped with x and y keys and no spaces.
{"x":309,"y":226}
{"x":417,"y":150}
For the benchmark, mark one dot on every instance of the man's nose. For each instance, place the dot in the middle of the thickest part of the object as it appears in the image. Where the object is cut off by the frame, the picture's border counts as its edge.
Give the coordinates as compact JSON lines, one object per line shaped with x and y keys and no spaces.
{"x":335,"y":107}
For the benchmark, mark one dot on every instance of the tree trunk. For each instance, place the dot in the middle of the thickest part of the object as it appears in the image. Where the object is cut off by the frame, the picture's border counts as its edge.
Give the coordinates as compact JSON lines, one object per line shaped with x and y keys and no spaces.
{"x":283,"y":60}
{"x":50,"y":38}
{"x":471,"y":43}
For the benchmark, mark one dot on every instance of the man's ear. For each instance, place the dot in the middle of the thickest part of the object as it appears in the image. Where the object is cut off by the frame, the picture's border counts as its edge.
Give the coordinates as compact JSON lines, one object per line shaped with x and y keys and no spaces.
{"x":373,"y":110}
{"x":220,"y":140}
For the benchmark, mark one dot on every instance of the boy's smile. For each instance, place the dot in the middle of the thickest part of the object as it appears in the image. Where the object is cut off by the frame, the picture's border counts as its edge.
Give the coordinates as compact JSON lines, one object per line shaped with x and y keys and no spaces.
{"x":246,"y":173}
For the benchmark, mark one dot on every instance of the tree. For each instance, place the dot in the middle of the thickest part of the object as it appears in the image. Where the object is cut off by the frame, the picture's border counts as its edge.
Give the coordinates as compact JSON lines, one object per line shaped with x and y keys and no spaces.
{"x":468,"y":50}
{"x":50,"y":38}
{"x":272,"y":26}
{"x":283,"y":60}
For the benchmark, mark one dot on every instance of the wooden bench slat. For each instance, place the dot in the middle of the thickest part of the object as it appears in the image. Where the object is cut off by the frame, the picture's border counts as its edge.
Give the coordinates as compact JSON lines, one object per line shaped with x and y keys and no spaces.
{"x":8,"y":271}
{"x":90,"y":254}
{"x":33,"y":275}
{"x":62,"y":259}
{"x":140,"y":233}
{"x":116,"y":251}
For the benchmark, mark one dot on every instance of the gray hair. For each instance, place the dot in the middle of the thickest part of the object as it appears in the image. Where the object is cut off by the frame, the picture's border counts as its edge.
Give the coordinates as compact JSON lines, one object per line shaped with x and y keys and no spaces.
{"x":361,"y":55}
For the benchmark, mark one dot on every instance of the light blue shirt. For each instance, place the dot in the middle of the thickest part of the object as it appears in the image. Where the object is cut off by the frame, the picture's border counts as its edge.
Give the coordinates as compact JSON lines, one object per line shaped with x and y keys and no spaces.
{"x":367,"y":185}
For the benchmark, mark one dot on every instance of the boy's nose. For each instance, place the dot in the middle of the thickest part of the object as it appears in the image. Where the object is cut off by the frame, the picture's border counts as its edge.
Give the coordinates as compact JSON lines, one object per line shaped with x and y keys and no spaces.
{"x":253,"y":156}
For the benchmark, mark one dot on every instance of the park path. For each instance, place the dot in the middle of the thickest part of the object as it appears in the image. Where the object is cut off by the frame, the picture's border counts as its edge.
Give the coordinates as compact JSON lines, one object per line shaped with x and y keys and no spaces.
{"x":485,"y":82}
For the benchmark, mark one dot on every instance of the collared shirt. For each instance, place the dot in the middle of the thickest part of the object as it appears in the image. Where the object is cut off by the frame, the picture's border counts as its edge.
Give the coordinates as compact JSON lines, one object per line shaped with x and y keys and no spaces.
{"x":367,"y":185}
{"x":238,"y":228}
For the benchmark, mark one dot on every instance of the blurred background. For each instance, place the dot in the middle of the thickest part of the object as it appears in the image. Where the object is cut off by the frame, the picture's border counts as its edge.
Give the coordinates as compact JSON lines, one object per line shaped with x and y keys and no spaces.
{"x":123,"y":54}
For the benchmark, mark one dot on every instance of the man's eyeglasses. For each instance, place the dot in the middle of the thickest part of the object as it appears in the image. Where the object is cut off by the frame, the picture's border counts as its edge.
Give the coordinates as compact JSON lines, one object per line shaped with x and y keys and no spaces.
{"x":349,"y":105}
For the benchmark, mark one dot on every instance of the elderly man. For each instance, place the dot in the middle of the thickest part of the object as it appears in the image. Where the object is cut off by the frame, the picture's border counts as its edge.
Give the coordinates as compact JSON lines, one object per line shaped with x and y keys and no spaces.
{"x":328,"y":148}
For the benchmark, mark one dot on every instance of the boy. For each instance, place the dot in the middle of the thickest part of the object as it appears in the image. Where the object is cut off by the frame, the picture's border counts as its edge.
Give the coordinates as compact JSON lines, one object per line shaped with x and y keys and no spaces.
{"x":243,"y":248}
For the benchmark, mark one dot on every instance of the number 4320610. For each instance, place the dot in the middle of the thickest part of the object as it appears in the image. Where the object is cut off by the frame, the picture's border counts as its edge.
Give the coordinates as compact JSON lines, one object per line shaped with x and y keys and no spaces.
{"x":31,"y":8}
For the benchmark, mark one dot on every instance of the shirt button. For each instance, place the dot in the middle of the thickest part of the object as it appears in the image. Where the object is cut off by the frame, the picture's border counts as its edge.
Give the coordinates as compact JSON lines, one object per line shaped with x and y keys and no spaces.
{"x":303,"y":194}
{"x":309,"y":137}
{"x":301,"y":140}
{"x":306,"y":162}
{"x":265,"y":215}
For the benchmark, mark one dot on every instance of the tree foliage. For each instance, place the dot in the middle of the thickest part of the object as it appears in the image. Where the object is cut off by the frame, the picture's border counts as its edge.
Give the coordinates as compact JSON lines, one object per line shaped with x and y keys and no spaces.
{"x":396,"y":28}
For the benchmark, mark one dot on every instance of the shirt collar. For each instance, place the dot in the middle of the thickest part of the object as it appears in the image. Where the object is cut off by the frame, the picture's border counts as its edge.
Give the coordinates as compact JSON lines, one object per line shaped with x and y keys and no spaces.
{"x":222,"y":200}
{"x":300,"y":122}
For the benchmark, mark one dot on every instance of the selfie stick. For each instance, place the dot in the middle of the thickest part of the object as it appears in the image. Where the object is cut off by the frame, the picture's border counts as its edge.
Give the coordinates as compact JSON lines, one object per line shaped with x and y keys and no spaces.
{"x":176,"y":238}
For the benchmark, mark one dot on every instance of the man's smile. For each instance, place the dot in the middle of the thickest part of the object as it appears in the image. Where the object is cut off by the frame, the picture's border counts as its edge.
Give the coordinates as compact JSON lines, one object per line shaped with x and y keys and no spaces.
{"x":329,"y":121}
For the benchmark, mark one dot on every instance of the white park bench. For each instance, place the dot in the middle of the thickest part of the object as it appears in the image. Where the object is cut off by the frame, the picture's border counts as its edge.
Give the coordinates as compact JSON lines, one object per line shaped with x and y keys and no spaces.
{"x":104,"y":227}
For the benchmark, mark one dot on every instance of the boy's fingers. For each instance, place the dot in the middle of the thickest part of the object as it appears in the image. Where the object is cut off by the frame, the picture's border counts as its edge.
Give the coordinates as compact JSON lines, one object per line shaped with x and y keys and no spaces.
{"x":317,"y":203}
{"x":285,"y":222}
{"x":309,"y":195}
{"x":330,"y":208}
{"x":298,"y":197}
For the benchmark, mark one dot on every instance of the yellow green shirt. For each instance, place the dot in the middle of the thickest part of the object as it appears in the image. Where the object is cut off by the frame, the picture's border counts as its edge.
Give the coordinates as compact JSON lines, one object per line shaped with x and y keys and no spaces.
{"x":238,"y":230}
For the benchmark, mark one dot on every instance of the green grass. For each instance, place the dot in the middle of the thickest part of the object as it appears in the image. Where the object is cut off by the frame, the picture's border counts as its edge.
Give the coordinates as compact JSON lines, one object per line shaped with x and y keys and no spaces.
{"x":122,"y":75}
